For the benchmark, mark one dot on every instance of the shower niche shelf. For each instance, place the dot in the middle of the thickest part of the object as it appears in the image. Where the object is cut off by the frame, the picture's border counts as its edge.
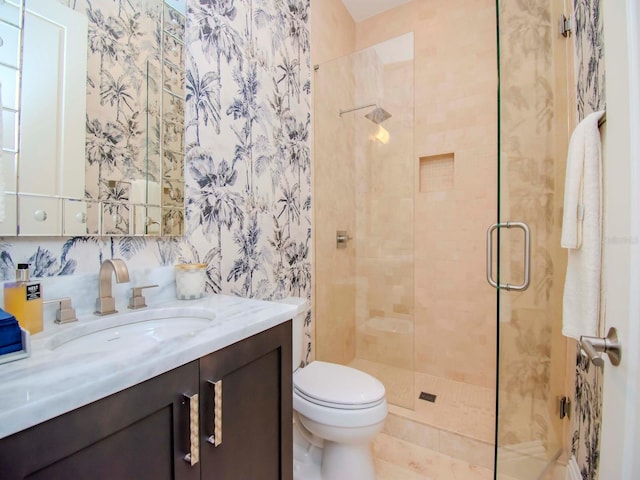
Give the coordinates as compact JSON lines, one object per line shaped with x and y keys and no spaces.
{"x":436,"y":173}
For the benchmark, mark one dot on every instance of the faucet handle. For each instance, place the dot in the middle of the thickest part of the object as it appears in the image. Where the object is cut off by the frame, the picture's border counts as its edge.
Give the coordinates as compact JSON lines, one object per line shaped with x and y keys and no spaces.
{"x":137,"y":300}
{"x":65,"y":313}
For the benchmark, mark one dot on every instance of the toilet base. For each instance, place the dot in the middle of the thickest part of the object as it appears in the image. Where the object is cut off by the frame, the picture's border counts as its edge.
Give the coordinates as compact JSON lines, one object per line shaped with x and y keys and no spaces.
{"x":307,"y":457}
{"x":342,"y":461}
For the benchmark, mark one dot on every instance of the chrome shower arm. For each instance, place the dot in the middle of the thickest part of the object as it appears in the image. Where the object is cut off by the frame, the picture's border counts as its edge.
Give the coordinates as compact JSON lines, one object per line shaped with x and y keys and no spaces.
{"x":355,"y":109}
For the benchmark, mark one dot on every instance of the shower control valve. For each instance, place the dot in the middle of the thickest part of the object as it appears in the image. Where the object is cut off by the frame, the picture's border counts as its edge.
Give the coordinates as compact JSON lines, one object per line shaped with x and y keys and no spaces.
{"x":342,"y":237}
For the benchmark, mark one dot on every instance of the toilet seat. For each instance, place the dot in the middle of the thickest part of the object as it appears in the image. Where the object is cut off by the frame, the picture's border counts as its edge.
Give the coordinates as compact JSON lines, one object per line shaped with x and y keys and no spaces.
{"x":337,"y":386}
{"x":340,"y":417}
{"x":339,"y":406}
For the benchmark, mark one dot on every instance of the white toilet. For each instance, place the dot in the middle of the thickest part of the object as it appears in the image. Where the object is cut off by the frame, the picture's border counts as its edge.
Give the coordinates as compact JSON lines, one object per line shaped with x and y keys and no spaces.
{"x":337,"y":412}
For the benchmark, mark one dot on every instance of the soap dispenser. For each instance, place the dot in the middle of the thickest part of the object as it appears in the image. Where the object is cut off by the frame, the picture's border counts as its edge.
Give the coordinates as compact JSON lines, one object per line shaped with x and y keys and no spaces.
{"x":23,"y":299}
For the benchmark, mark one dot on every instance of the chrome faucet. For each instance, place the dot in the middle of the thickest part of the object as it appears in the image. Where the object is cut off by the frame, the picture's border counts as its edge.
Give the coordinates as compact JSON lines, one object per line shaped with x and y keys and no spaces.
{"x":105,"y":303}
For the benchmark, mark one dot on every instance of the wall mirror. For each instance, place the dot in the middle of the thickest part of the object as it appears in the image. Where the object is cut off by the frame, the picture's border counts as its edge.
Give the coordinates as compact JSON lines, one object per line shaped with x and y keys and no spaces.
{"x":93,"y":117}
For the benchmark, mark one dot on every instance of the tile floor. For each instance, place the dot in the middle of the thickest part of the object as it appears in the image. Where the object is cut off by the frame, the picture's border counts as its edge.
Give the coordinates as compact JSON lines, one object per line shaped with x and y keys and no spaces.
{"x":397,"y":459}
{"x":450,"y":439}
{"x":468,"y":410}
{"x":398,"y":382}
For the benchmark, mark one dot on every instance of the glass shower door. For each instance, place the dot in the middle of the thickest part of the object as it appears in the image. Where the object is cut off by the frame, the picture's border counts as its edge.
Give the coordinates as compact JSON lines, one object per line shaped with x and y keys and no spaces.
{"x":528,"y":261}
{"x":363,"y":195}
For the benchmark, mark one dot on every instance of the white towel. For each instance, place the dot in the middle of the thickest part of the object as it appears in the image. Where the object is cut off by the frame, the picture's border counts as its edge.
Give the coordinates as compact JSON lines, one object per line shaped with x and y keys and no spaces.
{"x":573,"y":470}
{"x":582,"y":230}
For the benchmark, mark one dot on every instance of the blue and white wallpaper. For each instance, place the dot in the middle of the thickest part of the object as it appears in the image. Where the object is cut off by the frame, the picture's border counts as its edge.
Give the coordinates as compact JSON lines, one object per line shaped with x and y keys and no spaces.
{"x":590,"y":96}
{"x":247,"y":164}
{"x":248,"y":154}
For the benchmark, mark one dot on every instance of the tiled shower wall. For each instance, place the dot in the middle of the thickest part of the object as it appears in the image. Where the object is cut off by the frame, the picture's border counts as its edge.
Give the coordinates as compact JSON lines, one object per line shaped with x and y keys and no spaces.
{"x":384,"y":202}
{"x":455,"y":114}
{"x":333,"y":37}
{"x":248,"y":167}
{"x":335,"y":209}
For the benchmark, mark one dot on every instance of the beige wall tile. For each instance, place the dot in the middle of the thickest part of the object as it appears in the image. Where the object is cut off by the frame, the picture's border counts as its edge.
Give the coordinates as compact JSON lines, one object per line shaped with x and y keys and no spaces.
{"x":455,"y":112}
{"x":332,"y":31}
{"x":334,"y":201}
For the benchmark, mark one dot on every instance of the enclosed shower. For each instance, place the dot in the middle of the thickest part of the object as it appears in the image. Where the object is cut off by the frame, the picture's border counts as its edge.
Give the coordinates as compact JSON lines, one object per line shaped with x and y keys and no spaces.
{"x":416,"y":156}
{"x":388,"y":288}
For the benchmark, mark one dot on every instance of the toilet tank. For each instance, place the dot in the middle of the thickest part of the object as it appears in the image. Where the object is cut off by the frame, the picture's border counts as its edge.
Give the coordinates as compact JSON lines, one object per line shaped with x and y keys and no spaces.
{"x":297,"y":329}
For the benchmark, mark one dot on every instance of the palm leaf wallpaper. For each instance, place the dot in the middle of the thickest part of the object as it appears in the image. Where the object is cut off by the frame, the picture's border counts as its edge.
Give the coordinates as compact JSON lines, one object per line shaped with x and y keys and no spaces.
{"x":590,"y":94}
{"x":247,"y":152}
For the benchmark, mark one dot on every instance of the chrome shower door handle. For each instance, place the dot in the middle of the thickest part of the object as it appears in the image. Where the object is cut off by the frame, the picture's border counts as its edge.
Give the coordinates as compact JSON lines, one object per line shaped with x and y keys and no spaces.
{"x":527,"y":256}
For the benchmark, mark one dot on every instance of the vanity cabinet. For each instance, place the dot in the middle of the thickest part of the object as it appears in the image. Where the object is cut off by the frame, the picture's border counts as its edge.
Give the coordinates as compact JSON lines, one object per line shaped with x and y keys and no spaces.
{"x":256,"y":409}
{"x":143,"y":432}
{"x":139,"y":433}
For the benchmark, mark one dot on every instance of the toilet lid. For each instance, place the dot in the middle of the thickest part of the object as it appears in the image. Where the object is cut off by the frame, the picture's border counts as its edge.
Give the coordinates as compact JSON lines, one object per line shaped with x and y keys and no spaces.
{"x":338,"y":386}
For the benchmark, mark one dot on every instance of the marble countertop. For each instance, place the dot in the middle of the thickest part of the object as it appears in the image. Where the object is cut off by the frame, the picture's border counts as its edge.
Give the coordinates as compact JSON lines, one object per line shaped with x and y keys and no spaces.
{"x":52,"y":382}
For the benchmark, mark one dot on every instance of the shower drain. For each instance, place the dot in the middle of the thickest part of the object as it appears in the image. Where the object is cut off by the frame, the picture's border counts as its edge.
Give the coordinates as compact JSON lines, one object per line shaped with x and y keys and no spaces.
{"x":429,"y":397}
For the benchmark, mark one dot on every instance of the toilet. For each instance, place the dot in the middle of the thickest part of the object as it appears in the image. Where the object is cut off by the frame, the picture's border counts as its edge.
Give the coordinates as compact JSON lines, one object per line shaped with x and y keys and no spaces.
{"x":337,"y":412}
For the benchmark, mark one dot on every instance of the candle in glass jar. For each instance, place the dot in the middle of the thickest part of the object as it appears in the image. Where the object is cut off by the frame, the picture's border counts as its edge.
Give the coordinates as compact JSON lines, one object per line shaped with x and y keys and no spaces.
{"x":190,"y":280}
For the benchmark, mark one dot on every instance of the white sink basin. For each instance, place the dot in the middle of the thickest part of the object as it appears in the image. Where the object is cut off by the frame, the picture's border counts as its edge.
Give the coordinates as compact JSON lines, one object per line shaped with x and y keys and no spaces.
{"x":139,"y":330}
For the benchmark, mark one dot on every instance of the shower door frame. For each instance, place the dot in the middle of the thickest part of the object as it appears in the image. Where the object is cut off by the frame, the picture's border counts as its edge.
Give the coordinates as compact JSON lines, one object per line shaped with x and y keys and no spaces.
{"x":559,"y":379}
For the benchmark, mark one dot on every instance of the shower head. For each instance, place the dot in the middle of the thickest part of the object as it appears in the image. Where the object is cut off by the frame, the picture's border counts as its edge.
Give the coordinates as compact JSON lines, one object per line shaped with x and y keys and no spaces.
{"x":378,"y":115}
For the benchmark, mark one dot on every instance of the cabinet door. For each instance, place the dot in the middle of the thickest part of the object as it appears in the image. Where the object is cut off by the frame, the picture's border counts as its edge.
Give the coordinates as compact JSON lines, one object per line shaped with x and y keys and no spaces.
{"x":39,"y":216}
{"x":53,"y":114}
{"x":141,"y":433}
{"x":256,"y":409}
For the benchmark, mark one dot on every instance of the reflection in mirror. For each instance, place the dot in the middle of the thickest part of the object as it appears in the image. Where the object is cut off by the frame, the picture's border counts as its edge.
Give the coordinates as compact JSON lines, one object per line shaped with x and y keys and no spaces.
{"x":52,"y":113}
{"x":116,"y":165}
{"x":10,"y":21}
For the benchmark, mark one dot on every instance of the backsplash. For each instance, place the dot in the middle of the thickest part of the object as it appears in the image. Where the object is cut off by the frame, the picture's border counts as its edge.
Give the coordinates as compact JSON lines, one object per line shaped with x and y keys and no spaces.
{"x":247,"y":172}
{"x":590,"y":94}
{"x":83,"y":290}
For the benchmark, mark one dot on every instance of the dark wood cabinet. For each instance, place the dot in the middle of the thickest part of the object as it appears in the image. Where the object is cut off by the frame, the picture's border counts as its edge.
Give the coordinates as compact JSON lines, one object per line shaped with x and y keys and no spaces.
{"x":256,"y":409}
{"x":139,"y":433}
{"x":143,"y":432}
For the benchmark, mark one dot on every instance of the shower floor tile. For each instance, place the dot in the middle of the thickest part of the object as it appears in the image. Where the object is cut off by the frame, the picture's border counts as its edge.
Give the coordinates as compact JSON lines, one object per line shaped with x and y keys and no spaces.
{"x":449,"y":438}
{"x":461,"y":408}
{"x":398,"y":382}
